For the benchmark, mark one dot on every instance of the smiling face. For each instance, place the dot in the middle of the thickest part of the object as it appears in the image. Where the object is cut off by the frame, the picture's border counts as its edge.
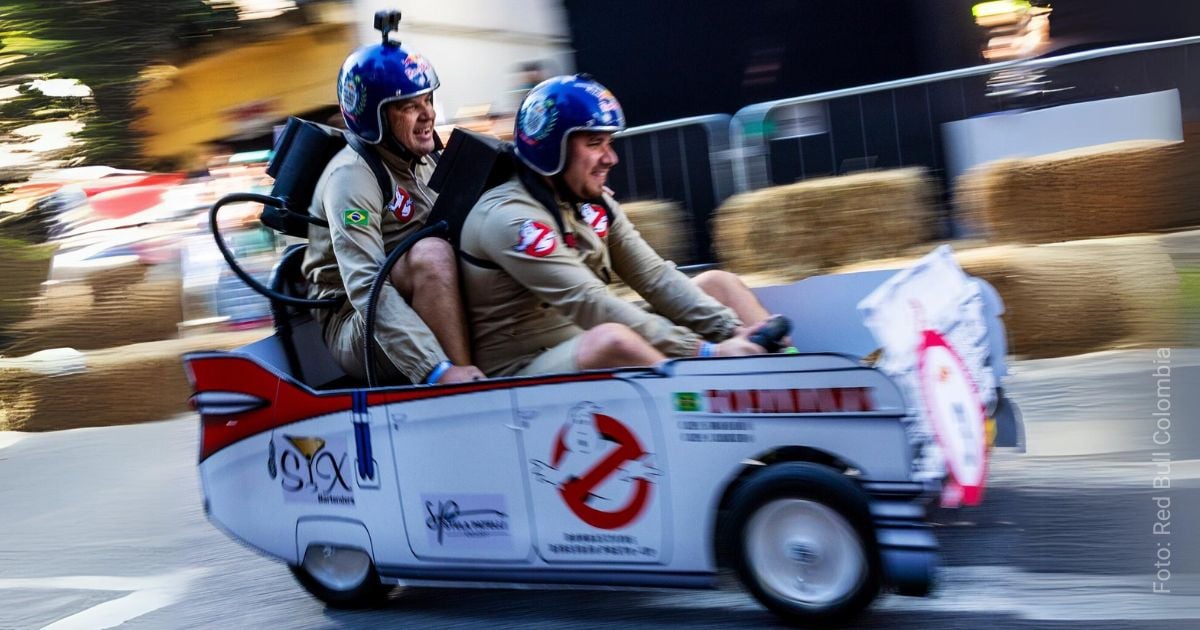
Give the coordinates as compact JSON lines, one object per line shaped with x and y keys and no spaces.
{"x":411,"y":121}
{"x":590,"y":156}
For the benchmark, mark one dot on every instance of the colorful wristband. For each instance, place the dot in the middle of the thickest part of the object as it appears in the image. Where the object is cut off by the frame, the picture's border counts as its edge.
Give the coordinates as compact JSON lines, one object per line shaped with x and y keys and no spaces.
{"x":707,"y":349}
{"x":437,"y":372}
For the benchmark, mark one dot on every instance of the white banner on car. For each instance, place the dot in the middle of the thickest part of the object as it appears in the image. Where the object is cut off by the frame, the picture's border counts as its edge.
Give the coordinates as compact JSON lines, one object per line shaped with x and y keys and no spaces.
{"x":929,"y":320}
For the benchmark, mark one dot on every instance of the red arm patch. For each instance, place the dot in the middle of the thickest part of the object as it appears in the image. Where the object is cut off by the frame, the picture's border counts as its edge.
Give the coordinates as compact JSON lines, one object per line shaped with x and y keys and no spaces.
{"x":536,"y":239}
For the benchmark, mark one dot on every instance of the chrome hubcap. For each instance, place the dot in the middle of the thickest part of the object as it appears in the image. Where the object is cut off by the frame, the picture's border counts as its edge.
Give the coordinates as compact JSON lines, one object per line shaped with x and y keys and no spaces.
{"x":337,"y":568}
{"x":804,"y":552}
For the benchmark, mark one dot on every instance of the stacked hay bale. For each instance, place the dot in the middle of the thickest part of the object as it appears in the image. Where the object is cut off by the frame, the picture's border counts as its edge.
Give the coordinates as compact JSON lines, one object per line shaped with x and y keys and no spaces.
{"x":134,"y":383}
{"x":23,"y":268}
{"x":112,"y":307}
{"x":803,"y":228}
{"x":664,"y":226}
{"x":1107,"y":190}
{"x":1060,"y":302}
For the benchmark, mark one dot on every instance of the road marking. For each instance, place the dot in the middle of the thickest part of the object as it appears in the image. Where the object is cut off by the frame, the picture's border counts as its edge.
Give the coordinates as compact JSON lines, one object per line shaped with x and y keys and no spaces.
{"x":8,"y":438}
{"x":148,"y":595}
{"x":1051,"y":596}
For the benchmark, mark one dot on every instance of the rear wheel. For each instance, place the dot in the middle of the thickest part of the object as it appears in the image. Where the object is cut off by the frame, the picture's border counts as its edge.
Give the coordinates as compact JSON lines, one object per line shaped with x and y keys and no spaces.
{"x":804,"y":543}
{"x":341,"y":577}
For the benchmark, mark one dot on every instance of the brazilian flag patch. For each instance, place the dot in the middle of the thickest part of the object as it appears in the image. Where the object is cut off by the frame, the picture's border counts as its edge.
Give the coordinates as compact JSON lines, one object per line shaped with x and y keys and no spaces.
{"x":687,"y":401}
{"x":355,"y":216}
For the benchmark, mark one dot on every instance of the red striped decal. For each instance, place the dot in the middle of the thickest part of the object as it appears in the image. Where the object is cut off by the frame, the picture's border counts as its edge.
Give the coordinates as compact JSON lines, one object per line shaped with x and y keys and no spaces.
{"x":289,"y":402}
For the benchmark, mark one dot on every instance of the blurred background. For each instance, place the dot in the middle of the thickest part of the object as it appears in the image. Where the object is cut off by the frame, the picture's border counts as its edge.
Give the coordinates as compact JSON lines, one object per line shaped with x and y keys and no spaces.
{"x":1053,"y":143}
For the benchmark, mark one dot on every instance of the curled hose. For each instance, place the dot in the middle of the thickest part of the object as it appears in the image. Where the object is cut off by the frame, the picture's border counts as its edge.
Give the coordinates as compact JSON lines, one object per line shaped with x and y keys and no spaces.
{"x":258,"y":287}
{"x":377,"y":286}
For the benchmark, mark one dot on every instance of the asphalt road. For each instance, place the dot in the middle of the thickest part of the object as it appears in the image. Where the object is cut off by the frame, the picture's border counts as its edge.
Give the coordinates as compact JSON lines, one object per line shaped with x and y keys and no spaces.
{"x":103,"y":527}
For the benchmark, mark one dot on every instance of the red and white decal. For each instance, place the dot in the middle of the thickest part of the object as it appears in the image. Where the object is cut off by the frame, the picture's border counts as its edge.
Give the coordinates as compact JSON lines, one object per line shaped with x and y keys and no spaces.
{"x":401,"y":205}
{"x":275,"y":401}
{"x":595,"y":216}
{"x":536,"y":239}
{"x":954,"y":407}
{"x":602,"y":473}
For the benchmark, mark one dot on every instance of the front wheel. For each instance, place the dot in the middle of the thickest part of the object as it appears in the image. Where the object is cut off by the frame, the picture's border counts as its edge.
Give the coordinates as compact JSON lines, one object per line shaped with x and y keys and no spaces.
{"x":341,"y":577}
{"x":805,"y":546}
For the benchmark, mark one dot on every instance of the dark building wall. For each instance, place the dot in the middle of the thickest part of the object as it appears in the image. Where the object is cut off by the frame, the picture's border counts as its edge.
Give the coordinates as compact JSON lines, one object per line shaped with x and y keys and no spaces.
{"x":947,"y":37}
{"x":668,"y":59}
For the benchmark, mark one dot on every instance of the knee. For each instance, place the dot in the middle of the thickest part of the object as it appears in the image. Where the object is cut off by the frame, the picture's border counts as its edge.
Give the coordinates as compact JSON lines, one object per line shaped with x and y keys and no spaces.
{"x":716,"y":281}
{"x":611,"y":339}
{"x":432,"y":258}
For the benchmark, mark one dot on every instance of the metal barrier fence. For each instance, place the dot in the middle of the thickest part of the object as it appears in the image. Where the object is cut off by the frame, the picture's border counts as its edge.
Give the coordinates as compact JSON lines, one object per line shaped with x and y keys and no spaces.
{"x":701,"y":161}
{"x":685,"y":160}
{"x":898,"y":123}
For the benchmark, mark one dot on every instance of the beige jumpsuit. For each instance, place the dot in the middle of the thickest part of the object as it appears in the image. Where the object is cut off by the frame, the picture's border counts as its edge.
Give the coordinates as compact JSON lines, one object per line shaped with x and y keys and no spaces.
{"x":543,"y":293}
{"x":343,"y":260}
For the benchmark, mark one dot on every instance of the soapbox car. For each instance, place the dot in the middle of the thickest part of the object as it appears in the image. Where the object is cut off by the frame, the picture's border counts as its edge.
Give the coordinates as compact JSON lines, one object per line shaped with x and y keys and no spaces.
{"x":797,"y":471}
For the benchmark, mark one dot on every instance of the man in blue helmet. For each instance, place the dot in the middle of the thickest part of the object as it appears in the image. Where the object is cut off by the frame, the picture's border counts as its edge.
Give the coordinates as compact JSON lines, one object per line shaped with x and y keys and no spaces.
{"x":541,"y":249}
{"x":386,"y":97}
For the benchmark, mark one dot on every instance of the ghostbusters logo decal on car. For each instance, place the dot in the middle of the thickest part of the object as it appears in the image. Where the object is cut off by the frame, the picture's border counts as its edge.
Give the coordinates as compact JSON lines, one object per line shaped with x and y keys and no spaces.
{"x":595,"y":216}
{"x":601,"y":471}
{"x":536,"y":239}
{"x":401,"y":205}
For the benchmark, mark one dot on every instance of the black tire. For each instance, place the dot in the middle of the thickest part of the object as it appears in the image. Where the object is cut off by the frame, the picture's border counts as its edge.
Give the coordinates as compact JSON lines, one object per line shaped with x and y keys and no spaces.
{"x":370,"y":592}
{"x":802,"y":494}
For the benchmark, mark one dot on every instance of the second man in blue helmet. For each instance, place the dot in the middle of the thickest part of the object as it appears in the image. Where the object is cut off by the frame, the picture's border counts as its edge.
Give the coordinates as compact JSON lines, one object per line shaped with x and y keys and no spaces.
{"x":542,"y":248}
{"x":386,"y":97}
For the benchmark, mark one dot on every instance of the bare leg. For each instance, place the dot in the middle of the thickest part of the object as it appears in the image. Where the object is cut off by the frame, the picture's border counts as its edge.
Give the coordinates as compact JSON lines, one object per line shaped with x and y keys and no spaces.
{"x":728,"y":289}
{"x":614,"y":346}
{"x":427,"y":278}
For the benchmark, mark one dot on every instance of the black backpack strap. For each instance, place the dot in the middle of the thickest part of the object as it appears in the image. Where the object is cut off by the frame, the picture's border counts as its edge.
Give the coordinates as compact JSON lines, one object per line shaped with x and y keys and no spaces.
{"x":478,"y":262}
{"x":376,"y":163}
{"x":544,"y":195}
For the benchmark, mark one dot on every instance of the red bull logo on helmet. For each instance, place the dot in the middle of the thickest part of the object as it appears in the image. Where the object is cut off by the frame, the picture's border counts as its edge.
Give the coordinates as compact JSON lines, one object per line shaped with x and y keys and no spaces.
{"x":416,"y":68}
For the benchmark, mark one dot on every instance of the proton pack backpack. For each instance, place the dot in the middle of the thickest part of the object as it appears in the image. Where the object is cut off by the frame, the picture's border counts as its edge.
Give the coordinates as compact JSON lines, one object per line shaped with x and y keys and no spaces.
{"x":301,"y":153}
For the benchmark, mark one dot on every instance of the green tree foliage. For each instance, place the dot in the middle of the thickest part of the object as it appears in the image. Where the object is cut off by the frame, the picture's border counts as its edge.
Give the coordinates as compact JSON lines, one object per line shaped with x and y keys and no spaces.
{"x":104,"y":44}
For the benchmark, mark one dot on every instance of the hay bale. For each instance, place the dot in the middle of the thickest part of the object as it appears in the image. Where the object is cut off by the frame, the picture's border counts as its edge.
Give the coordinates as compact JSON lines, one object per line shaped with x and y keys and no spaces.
{"x":1079,"y":296}
{"x":664,"y":225}
{"x":23,"y":269}
{"x":799,"y":229}
{"x":135,"y":383}
{"x":112,"y":308}
{"x":1107,"y":190}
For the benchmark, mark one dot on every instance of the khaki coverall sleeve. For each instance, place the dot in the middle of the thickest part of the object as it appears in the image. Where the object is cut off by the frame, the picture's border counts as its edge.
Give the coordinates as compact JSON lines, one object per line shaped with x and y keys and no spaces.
{"x":400,"y":332}
{"x":667,"y":289}
{"x":562,"y":280}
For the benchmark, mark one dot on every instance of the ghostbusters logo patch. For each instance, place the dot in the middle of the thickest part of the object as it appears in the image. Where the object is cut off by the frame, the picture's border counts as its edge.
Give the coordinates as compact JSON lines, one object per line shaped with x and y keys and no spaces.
{"x":536,"y":239}
{"x":595,"y":216}
{"x":401,"y":205}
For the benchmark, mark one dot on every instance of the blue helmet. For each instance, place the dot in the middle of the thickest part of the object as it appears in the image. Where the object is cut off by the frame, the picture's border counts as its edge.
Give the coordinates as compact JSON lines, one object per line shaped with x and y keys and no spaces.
{"x":373,"y":76}
{"x":556,"y":108}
